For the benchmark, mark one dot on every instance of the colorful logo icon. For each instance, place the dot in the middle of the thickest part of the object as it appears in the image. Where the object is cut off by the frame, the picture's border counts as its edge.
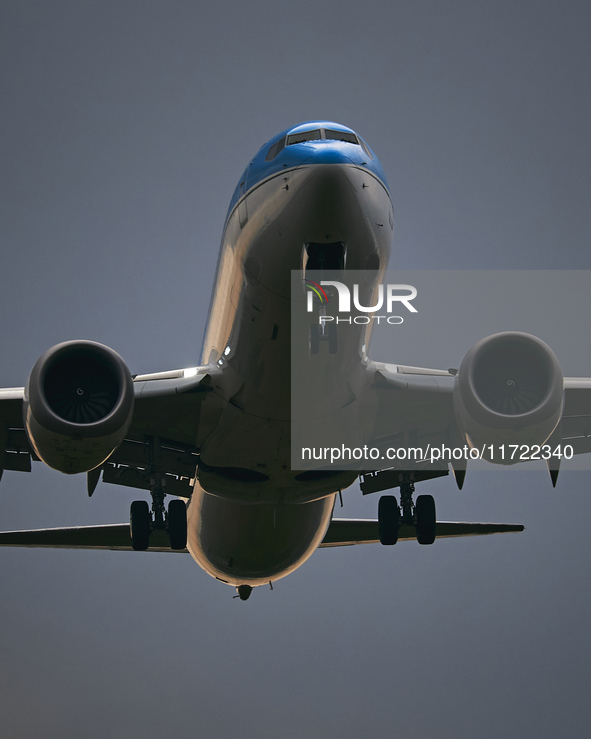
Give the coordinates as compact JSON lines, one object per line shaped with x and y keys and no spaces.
{"x":317,"y":289}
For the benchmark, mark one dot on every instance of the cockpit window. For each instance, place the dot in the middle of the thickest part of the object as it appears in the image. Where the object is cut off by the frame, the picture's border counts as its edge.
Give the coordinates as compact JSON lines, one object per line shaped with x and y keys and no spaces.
{"x":341,"y":136}
{"x":366,"y":149}
{"x":275,"y":149}
{"x":299,"y":138}
{"x":316,"y":134}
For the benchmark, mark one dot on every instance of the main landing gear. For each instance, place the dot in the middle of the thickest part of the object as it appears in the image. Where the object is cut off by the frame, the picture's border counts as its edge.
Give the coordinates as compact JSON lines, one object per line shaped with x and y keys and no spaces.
{"x":142,"y":522}
{"x":421,"y":515}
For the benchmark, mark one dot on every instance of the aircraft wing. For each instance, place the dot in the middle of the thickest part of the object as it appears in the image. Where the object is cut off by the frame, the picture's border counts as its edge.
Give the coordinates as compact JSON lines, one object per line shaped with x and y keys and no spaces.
{"x":15,"y":452}
{"x":576,"y":419}
{"x":415,"y":408}
{"x":173,"y":412}
{"x":110,"y":536}
{"x":344,"y":532}
{"x":341,"y":532}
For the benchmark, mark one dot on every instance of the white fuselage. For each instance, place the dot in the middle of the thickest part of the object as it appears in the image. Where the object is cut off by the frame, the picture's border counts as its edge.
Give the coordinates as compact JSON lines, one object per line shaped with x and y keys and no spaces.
{"x":250,"y":519}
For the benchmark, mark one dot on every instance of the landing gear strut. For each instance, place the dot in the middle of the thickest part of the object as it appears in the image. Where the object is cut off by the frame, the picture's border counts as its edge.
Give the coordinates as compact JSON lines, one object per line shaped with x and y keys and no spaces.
{"x":421,"y":516}
{"x":407,"y":488}
{"x":323,"y":332}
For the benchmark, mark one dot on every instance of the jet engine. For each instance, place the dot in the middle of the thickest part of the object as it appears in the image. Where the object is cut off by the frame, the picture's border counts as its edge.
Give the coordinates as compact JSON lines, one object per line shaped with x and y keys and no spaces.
{"x":78,"y":405}
{"x":509,"y":390}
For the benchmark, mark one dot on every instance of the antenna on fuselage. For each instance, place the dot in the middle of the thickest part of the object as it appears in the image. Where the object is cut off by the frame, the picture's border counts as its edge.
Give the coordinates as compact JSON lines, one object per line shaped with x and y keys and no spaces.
{"x":243,"y":591}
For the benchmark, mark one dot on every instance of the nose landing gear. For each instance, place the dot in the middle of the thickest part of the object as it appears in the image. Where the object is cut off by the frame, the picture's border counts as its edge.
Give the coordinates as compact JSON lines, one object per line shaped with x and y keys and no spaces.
{"x":323,"y":332}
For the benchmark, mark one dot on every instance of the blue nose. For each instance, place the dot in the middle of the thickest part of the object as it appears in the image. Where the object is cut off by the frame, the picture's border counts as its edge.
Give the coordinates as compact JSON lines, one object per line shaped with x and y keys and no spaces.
{"x":329,"y":153}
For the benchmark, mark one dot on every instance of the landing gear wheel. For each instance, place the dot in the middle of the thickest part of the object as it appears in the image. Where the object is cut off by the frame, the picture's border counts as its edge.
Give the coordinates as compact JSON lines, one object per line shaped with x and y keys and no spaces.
{"x":332,"y":339}
{"x":426,"y":519}
{"x":388,"y":519}
{"x":314,"y":338}
{"x":140,"y":521}
{"x":177,"y":524}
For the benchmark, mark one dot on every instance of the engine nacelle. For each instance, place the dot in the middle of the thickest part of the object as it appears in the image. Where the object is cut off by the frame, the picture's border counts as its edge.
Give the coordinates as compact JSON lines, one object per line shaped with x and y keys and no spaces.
{"x":509,"y":390}
{"x":78,"y":405}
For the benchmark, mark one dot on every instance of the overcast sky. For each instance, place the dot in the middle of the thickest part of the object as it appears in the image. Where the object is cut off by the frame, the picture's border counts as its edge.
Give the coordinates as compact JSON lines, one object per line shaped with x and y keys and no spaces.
{"x":124,"y":128}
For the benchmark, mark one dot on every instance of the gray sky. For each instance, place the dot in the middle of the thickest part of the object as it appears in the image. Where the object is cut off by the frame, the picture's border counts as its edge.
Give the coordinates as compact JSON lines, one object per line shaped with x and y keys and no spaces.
{"x":124,"y":128}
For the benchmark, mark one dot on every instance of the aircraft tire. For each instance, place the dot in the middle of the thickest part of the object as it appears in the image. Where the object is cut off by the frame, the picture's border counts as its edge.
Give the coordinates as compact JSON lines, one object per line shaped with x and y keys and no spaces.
{"x":177,"y":524}
{"x":426,"y":519}
{"x":140,"y":521}
{"x":388,"y":520}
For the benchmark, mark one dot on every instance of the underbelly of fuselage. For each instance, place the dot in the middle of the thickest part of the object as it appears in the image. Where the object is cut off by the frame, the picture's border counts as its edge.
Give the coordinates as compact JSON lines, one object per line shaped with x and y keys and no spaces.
{"x":246,"y":544}
{"x":253,"y":518}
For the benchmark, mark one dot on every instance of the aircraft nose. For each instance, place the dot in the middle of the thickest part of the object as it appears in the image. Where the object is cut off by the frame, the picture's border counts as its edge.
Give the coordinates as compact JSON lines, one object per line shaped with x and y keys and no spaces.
{"x":330,"y":198}
{"x":324,"y":154}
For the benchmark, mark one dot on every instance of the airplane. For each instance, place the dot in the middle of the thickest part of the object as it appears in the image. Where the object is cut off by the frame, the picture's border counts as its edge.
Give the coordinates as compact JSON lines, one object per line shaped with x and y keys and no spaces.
{"x":311,"y":209}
